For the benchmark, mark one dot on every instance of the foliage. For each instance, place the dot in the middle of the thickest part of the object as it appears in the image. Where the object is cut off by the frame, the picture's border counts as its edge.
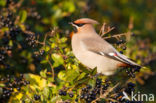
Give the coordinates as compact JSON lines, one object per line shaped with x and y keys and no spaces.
{"x":38,"y":66}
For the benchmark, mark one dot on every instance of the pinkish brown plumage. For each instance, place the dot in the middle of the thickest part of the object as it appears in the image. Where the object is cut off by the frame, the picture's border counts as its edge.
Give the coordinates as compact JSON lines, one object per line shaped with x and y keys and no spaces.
{"x":92,"y":51}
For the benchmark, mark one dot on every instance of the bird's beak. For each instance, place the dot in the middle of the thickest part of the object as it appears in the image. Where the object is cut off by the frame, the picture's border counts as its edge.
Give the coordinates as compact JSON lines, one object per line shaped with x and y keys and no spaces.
{"x":74,"y":26}
{"x":71,"y":23}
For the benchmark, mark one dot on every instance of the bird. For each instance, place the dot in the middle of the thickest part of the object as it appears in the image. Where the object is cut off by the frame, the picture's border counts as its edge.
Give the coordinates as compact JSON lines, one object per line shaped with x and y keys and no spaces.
{"x":95,"y":52}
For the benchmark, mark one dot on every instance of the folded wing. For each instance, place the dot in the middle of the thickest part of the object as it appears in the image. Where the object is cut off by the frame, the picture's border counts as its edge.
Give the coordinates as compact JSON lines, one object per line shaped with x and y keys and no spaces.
{"x":103,"y":48}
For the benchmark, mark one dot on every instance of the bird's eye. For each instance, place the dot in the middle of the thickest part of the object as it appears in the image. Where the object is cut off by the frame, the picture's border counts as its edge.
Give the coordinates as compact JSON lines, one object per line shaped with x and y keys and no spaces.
{"x":79,"y":25}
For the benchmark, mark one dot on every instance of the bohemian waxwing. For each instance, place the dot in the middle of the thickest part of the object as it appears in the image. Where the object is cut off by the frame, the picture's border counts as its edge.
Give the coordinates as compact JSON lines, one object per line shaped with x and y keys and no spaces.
{"x":93,"y":51}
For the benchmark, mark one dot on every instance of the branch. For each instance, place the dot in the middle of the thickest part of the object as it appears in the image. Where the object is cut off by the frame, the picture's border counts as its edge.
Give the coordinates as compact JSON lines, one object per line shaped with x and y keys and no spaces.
{"x":104,"y":30}
{"x":52,"y":69}
{"x":105,"y":94}
{"x":44,"y":41}
{"x":117,"y":35}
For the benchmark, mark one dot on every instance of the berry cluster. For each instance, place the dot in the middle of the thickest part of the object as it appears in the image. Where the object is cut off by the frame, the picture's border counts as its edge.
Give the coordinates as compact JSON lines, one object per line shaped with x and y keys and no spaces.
{"x":41,"y":52}
{"x":12,"y":83}
{"x":4,"y":52}
{"x":35,"y":15}
{"x":131,"y":71}
{"x":9,"y":32}
{"x":71,"y":95}
{"x":64,"y":93}
{"x":14,"y":40}
{"x":2,"y":56}
{"x":121,"y":44}
{"x":36,"y":97}
{"x":7,"y":21}
{"x":128,"y":89}
{"x":31,"y":40}
{"x":121,"y":41}
{"x":89,"y":93}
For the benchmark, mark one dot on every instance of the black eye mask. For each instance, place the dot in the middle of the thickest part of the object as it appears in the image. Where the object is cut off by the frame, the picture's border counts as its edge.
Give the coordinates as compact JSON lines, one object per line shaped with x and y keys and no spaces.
{"x":79,"y":25}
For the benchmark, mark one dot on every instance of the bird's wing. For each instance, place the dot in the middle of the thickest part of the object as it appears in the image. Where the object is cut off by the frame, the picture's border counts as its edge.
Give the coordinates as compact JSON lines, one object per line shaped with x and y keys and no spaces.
{"x":103,"y":48}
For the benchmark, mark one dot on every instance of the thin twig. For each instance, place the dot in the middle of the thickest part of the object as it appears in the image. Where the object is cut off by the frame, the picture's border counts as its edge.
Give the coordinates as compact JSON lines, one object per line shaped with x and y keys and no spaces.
{"x":52,"y":69}
{"x":19,"y":4}
{"x":116,"y":36}
{"x":38,"y":42}
{"x":106,"y":93}
{"x":109,"y":30}
{"x":28,"y":32}
{"x":44,"y":41}
{"x":30,"y":98}
{"x":102,"y":29}
{"x":105,"y":30}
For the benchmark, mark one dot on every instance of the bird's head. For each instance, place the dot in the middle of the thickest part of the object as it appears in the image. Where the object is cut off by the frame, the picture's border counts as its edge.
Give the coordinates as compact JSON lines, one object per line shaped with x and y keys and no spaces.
{"x":83,"y":24}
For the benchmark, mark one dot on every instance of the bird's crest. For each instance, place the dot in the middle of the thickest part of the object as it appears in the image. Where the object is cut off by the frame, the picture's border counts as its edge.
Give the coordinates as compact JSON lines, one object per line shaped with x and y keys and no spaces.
{"x":85,"y":21}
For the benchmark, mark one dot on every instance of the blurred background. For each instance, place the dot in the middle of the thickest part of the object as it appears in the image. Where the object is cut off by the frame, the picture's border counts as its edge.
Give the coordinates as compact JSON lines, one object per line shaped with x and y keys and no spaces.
{"x":138,"y":16}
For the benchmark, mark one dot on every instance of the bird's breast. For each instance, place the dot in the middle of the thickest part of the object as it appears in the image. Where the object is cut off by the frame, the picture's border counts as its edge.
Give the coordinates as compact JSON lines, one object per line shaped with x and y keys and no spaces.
{"x":81,"y":53}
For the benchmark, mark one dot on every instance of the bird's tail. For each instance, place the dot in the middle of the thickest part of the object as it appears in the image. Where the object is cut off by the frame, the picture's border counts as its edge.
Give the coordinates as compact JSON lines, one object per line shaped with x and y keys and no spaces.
{"x":128,"y":61}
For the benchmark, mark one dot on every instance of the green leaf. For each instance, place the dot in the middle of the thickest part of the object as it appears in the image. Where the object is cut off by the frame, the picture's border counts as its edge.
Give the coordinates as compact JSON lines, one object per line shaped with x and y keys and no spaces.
{"x":94,"y":71}
{"x":44,"y":62}
{"x":62,"y":75}
{"x":63,"y":39}
{"x":53,"y":45}
{"x":92,"y":82}
{"x":71,"y":75}
{"x":47,"y":48}
{"x":43,"y":73}
{"x":58,"y":60}
{"x":2,"y":85}
{"x":55,"y":99}
{"x":1,"y":90}
{"x":84,"y":80}
{"x":2,"y":2}
{"x":50,"y":79}
{"x":23,"y":16}
{"x":16,"y":101}
{"x":82,"y":75}
{"x":69,"y":6}
{"x":36,"y":81}
{"x":84,"y":69}
{"x":46,"y":92}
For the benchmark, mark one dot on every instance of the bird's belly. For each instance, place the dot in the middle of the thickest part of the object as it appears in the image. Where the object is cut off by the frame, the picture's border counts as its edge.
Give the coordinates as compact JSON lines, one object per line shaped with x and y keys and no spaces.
{"x":90,"y":59}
